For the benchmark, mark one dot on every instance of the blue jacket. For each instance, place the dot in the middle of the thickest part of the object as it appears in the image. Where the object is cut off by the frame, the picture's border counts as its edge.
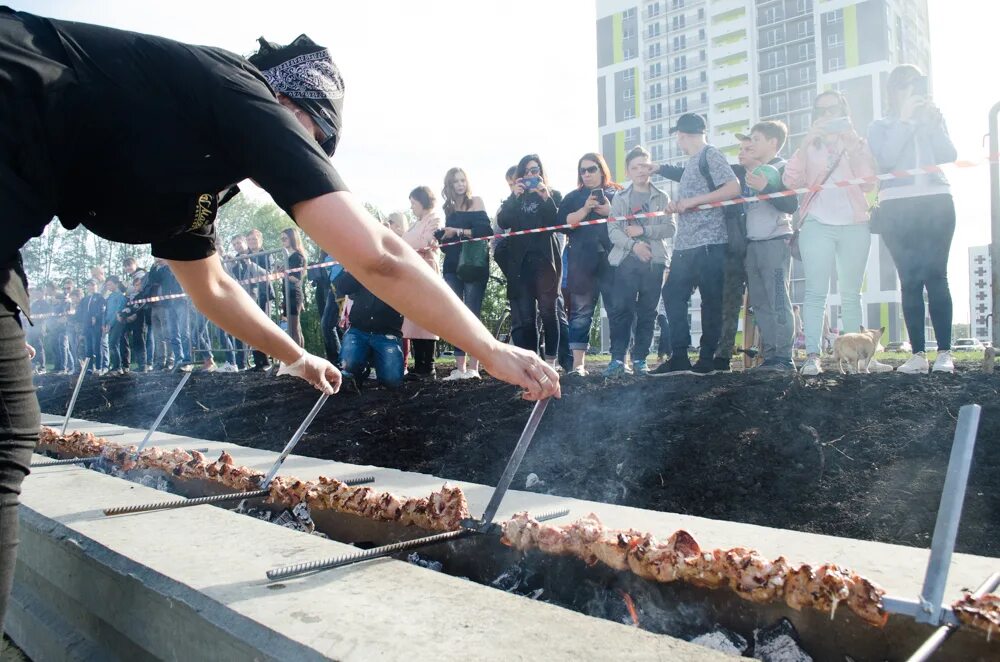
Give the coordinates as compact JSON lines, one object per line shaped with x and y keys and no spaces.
{"x":894,"y":144}
{"x":113,"y":304}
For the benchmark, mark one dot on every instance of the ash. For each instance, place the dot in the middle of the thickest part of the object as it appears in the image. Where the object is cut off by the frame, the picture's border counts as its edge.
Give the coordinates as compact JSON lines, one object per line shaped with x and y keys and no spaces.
{"x":779,"y":643}
{"x":723,"y":641}
{"x":296,"y":519}
{"x":416,"y":559}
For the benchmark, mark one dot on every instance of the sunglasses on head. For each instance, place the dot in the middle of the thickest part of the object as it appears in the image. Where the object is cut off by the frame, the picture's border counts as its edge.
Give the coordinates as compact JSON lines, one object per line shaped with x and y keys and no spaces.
{"x":589,"y":170}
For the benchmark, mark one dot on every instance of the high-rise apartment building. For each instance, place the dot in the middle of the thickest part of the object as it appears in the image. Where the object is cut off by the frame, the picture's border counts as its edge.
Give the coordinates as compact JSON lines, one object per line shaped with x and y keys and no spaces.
{"x":741,"y":61}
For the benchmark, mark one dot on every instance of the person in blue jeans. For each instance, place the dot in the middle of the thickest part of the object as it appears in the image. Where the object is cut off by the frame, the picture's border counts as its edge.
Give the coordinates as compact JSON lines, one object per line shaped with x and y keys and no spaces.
{"x":114,"y":328}
{"x":375,"y":337}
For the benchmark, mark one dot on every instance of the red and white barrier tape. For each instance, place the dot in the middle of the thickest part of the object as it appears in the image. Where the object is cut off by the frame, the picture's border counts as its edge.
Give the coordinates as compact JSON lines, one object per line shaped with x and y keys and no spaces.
{"x":857,"y":181}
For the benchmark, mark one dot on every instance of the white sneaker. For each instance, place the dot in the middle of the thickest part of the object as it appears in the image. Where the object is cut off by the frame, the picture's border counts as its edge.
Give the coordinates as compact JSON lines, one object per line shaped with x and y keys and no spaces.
{"x":917,"y":365}
{"x":228,"y":367}
{"x":210,"y":368}
{"x":944,"y":362}
{"x":472,"y":374}
{"x":875,"y":366}
{"x":455,"y":375}
{"x":811,"y":367}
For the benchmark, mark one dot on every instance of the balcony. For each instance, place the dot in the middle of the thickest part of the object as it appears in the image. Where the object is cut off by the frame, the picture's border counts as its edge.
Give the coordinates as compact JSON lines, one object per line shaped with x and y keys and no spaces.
{"x":647,"y":76}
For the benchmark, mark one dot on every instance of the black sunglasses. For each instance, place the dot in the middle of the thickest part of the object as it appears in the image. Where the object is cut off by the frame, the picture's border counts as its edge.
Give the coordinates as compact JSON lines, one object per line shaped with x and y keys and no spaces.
{"x":590,"y":170}
{"x":328,"y":142}
{"x":533,"y":171}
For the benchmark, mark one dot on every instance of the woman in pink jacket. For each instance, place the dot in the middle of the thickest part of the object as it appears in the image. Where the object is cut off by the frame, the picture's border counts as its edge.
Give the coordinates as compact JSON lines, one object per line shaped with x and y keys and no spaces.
{"x":833,"y":223}
{"x":421,"y":237}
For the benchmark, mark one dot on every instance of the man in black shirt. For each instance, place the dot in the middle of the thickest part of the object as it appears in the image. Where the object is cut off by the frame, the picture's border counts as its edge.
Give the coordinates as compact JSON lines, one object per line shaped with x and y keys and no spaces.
{"x":140,"y":139}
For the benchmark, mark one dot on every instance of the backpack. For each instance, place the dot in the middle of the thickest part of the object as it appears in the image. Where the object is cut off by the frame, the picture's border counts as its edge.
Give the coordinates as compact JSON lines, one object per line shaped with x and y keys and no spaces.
{"x":735,"y":215}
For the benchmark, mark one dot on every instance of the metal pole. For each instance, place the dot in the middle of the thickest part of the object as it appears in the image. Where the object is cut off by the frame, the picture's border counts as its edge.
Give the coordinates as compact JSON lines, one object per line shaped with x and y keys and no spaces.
{"x":514,"y":462}
{"x":163,"y":412}
{"x":76,"y":391}
{"x":995,"y":215}
{"x":943,"y":633}
{"x":294,"y":440}
{"x":949,"y":515}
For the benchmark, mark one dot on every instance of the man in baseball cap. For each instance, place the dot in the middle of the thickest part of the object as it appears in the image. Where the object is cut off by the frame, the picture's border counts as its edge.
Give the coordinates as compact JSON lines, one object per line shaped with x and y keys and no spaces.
{"x":691,"y":123}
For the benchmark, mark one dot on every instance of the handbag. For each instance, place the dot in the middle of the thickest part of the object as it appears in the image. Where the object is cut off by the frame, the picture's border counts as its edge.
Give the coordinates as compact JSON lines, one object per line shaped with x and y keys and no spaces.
{"x":793,"y":243}
{"x":474,"y":262}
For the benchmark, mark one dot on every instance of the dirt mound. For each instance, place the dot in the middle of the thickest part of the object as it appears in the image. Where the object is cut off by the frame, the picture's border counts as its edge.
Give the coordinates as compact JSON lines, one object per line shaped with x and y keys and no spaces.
{"x":856,"y":456}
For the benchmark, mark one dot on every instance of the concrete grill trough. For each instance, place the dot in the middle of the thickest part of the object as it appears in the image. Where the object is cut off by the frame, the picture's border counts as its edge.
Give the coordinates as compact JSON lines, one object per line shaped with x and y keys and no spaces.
{"x":190,"y":583}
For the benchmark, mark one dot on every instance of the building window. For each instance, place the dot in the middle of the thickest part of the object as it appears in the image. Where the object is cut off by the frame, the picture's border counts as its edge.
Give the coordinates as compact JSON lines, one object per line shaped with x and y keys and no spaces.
{"x":629,"y":113}
{"x":679,"y":22}
{"x":775,"y":105}
{"x":774,"y":59}
{"x":628,"y":13}
{"x":657,"y":152}
{"x":772,"y":36}
{"x":703,"y":76}
{"x":834,"y":40}
{"x":680,"y":83}
{"x":629,"y":54}
{"x":833,"y":64}
{"x":772,"y":15}
{"x":656,"y":132}
{"x":805,"y":52}
{"x":834,"y":16}
{"x":628,"y":74}
{"x":704,"y":98}
{"x":702,"y":56}
{"x":680,"y":63}
{"x":701,"y":34}
{"x":656,"y":111}
{"x":805,"y":29}
{"x":653,"y":30}
{"x":680,"y":42}
{"x":680,"y":105}
{"x":628,"y":94}
{"x":655,"y":70}
{"x":701,"y":13}
{"x":678,"y":4}
{"x":655,"y":91}
{"x":654,"y":50}
{"x":653,"y":9}
{"x":804,"y":6}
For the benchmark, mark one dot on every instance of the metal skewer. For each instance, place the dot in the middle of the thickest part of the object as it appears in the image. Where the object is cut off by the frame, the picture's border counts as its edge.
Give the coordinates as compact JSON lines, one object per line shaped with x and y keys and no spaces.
{"x":512,"y":466}
{"x":264,"y":485}
{"x":217,"y":498}
{"x":76,"y":391}
{"x":79,"y":460}
{"x":163,"y":412}
{"x":383,"y":551}
{"x":943,"y":633}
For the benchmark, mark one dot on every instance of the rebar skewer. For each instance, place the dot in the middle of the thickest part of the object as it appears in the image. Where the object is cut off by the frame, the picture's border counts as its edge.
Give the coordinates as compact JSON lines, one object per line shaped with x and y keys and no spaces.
{"x":943,"y":633}
{"x":76,"y":392}
{"x":383,"y":551}
{"x":163,"y":412}
{"x":215,"y":498}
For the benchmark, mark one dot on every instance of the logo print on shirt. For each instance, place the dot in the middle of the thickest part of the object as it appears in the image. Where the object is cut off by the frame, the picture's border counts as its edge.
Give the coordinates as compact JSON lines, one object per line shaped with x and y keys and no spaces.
{"x":204,"y":211}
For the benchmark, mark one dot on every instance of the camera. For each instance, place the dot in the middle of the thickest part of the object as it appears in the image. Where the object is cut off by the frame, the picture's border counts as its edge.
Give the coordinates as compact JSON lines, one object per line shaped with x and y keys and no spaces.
{"x":598,"y":195}
{"x":530,"y":183}
{"x":439,"y":234}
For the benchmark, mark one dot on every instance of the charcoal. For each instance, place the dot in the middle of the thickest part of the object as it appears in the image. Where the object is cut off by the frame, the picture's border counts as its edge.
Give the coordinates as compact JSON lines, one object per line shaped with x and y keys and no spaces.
{"x":779,"y":643}
{"x":416,"y":559}
{"x":510,"y":579}
{"x":724,"y":641}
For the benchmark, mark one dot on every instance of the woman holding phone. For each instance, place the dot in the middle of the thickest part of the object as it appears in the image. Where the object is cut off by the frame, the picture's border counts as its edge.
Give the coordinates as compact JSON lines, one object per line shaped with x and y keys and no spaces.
{"x":534,"y":264}
{"x":916,"y":215}
{"x":587,"y":250}
{"x":833,"y":223}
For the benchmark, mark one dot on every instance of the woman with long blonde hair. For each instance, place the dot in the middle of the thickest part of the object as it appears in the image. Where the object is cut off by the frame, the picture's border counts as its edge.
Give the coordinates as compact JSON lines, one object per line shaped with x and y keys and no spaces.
{"x":465,"y":218}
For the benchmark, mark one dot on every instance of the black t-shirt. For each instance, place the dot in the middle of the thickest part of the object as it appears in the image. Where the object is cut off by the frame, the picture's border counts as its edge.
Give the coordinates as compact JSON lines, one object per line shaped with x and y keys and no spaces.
{"x":138,"y":138}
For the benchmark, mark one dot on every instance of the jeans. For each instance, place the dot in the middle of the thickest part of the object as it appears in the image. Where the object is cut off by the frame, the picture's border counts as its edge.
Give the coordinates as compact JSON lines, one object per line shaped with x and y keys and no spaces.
{"x":918,"y":234}
{"x":769,"y":265}
{"x":36,"y":338}
{"x":64,"y":353}
{"x":822,"y":246}
{"x":581,"y":318}
{"x":734,"y":284}
{"x":105,"y":351}
{"x":160,"y":330}
{"x":116,"y":338}
{"x":363,"y":350}
{"x":179,"y":330}
{"x":226,"y":344}
{"x":202,"y":338}
{"x":564,"y":352}
{"x":536,"y":289}
{"x":19,"y":422}
{"x":471,"y":294}
{"x":138,"y":343}
{"x":92,"y":336}
{"x":701,"y":267}
{"x":328,"y":325}
{"x":636,"y":293}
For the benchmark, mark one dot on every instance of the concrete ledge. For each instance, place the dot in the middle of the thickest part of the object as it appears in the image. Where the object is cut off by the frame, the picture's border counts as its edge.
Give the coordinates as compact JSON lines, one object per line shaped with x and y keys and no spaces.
{"x":189,"y":584}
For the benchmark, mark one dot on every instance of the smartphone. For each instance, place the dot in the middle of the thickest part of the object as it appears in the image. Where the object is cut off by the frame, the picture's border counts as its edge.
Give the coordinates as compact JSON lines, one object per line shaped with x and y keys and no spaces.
{"x":530,"y":183}
{"x":598,"y":195}
{"x":919,"y":86}
{"x":838,"y":125}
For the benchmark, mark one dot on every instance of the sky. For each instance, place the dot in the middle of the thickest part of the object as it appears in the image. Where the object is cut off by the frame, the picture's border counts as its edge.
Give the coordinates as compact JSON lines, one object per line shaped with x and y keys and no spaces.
{"x":433,"y":84}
